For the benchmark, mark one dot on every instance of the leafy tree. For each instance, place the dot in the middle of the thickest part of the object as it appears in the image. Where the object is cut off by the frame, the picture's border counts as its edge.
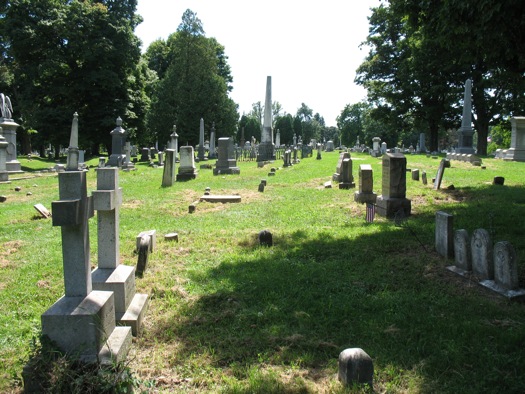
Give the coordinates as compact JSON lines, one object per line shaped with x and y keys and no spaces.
{"x":285,"y":126}
{"x":73,"y":56}
{"x":195,"y":85}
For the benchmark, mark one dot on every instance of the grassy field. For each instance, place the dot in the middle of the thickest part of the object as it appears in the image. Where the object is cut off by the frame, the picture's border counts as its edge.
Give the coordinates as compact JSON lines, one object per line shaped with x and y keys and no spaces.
{"x":229,"y":316}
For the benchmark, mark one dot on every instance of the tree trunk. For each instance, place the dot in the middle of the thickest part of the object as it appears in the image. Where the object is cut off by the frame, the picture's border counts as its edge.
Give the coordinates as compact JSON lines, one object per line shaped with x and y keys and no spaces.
{"x":434,"y":137}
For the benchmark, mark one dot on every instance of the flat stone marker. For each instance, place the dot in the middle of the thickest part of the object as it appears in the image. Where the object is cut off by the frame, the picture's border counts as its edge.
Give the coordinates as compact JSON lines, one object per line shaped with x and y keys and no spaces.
{"x":439,"y":176}
{"x":219,"y":198}
{"x":42,"y":211}
{"x":172,"y":237}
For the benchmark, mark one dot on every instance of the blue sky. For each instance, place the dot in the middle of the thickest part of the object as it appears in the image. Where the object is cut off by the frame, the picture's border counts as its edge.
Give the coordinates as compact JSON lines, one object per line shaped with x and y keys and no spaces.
{"x":310,"y":48}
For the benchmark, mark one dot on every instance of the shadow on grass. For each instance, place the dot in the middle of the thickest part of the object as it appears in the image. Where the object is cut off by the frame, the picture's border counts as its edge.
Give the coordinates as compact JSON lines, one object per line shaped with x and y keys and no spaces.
{"x":303,"y":301}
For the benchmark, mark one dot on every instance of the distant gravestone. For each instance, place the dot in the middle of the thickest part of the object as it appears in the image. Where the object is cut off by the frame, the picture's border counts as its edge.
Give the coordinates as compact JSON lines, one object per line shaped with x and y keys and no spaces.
{"x":42,"y":211}
{"x":517,"y":140}
{"x":226,"y":163}
{"x":505,"y":266}
{"x":346,"y":178}
{"x":393,"y":198}
{"x":439,"y":176}
{"x":337,"y":173}
{"x":424,"y":178}
{"x":187,"y":169}
{"x":168,"y":175}
{"x":444,"y":234}
{"x":482,"y":254}
{"x":415,"y":175}
{"x":365,"y":193}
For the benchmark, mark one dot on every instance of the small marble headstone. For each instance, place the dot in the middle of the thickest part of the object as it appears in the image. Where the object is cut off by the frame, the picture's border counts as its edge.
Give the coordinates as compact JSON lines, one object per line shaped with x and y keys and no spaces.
{"x":444,"y":234}
{"x":505,"y":266}
{"x":482,"y":253}
{"x":355,"y":366}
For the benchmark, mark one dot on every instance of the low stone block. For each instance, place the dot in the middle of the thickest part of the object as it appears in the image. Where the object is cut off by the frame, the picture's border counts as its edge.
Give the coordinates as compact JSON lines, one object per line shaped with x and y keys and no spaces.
{"x":150,"y":234}
{"x":121,"y":281}
{"x":355,"y":366}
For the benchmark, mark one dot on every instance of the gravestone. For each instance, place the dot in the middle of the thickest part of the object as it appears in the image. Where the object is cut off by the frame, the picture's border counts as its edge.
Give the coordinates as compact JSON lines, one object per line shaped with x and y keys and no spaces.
{"x":110,"y":275}
{"x":168,"y":175}
{"x":330,"y":146}
{"x":444,"y":236}
{"x":187,"y":169}
{"x":212,"y":154}
{"x":439,"y":176}
{"x":174,"y":142}
{"x":128,"y":164}
{"x":383,"y":148}
{"x":295,"y":160}
{"x":506,"y":279}
{"x":337,"y":173}
{"x":517,"y":140}
{"x":287,"y":158}
{"x":82,"y":322}
{"x":355,"y":366}
{"x":466,"y":132}
{"x":482,"y":254}
{"x":226,"y":163}
{"x":200,"y":154}
{"x":319,"y":146}
{"x":365,"y":194}
{"x":347,"y":179}
{"x":4,"y":174}
{"x":266,"y":148}
{"x":415,"y":174}
{"x":144,"y":156}
{"x":424,"y":180}
{"x":8,"y":129}
{"x":462,"y":254}
{"x":118,"y":140}
{"x":393,"y":197}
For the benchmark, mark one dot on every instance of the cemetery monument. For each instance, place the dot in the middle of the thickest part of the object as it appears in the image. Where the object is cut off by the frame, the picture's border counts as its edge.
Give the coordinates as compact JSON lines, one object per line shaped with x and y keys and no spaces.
{"x":466,"y":132}
{"x":266,"y":151}
{"x":9,"y":127}
{"x":393,"y":198}
{"x":516,"y":152}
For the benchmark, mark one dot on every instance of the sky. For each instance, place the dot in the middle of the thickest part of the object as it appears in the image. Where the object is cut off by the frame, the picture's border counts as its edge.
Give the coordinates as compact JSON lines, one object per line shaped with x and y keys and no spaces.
{"x":310,"y":48}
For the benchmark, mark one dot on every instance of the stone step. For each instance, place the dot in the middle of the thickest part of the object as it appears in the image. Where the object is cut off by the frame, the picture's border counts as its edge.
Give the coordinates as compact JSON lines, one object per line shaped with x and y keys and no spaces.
{"x":135,"y":313}
{"x":116,"y":347}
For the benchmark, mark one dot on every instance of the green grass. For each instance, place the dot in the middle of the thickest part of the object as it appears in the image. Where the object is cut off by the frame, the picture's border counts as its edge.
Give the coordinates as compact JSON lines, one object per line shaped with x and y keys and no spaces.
{"x":229,"y":316}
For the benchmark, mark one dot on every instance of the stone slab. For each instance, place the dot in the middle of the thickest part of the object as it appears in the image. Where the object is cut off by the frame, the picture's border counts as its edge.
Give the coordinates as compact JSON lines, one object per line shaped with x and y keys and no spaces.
{"x":121,"y":281}
{"x":116,"y":348}
{"x":42,"y":211}
{"x":515,"y":295}
{"x":219,"y":198}
{"x":135,"y":313}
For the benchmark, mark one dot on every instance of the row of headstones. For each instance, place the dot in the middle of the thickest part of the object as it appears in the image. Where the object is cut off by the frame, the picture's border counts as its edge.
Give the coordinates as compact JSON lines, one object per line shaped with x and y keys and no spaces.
{"x":495,"y":266}
{"x":468,"y":158}
{"x":393,"y":197}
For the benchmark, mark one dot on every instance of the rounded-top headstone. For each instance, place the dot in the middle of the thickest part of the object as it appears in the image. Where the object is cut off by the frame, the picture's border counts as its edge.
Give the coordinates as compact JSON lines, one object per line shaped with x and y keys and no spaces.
{"x":355,"y":366}
{"x":172,"y":237}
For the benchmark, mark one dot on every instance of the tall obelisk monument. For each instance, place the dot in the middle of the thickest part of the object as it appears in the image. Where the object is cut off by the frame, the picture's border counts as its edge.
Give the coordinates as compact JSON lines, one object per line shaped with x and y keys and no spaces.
{"x":466,"y":132}
{"x":266,"y":151}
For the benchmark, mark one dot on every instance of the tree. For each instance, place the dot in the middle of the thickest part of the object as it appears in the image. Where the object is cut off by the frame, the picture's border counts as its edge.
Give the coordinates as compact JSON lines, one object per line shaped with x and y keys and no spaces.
{"x":71,"y":57}
{"x":285,"y":126}
{"x":195,"y":85}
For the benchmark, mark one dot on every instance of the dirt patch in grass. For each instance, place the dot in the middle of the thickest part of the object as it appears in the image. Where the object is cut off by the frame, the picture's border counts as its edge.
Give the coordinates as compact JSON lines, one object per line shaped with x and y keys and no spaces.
{"x":7,"y":249}
{"x":132,"y":204}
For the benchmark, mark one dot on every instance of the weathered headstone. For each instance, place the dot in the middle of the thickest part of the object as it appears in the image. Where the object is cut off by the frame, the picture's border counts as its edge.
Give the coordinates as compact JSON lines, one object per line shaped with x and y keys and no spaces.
{"x":118,"y":140}
{"x":439,"y":176}
{"x":415,"y":174}
{"x":355,"y":366}
{"x":393,"y":197}
{"x":424,"y":178}
{"x":365,"y":194}
{"x":482,"y":254}
{"x":462,"y":253}
{"x":337,"y":173}
{"x":187,"y":169}
{"x":346,"y":178}
{"x":444,"y":234}
{"x":168,"y":175}
{"x":226,"y":163}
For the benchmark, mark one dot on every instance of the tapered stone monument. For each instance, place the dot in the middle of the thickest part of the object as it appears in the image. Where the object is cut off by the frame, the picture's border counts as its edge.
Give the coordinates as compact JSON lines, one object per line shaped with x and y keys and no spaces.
{"x":211,"y":153}
{"x":200,"y":154}
{"x":266,"y":148}
{"x":82,"y":322}
{"x":168,"y":176}
{"x":466,"y":132}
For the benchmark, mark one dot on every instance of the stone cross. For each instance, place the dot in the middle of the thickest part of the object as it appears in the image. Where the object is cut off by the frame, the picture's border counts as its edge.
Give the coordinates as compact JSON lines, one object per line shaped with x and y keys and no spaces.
{"x":72,"y":213}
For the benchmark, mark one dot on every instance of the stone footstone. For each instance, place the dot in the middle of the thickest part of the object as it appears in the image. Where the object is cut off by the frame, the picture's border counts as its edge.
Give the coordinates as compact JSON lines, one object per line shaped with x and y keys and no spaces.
{"x":355,"y":366}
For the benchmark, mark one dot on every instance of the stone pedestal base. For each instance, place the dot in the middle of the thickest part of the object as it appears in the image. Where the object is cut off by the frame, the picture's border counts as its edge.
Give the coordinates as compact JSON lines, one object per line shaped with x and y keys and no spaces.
{"x":514,"y":155}
{"x":186,"y":175}
{"x":346,"y":185}
{"x":387,"y":207}
{"x":85,"y":328}
{"x":4,"y":176}
{"x":121,"y":281}
{"x":226,"y":170}
{"x":13,"y":167}
{"x":362,"y":198}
